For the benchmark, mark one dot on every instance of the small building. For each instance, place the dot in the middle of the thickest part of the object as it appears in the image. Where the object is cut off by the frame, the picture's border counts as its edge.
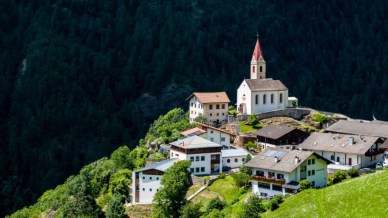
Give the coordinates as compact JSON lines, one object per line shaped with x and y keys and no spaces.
{"x":276,"y":171}
{"x":293,"y":102}
{"x":211,"y":133}
{"x":347,"y":151}
{"x":211,"y":105}
{"x":233,"y":157}
{"x":146,"y":181}
{"x":280,"y":136}
{"x":374,"y":128}
{"x":260,"y":94}
{"x":194,"y":132}
{"x":205,"y":155}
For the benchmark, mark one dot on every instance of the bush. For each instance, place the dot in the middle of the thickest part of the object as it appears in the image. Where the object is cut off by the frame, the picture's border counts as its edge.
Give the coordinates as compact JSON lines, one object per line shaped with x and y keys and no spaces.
{"x":231,"y":107}
{"x":253,"y":119}
{"x":115,"y":208}
{"x":191,"y":210}
{"x":253,"y":207}
{"x":215,"y":203}
{"x":274,"y":204}
{"x":320,"y":118}
{"x":353,"y":173}
{"x":241,"y":179}
{"x":221,"y":176}
{"x":339,"y":175}
{"x":250,"y":145}
{"x":304,"y":184}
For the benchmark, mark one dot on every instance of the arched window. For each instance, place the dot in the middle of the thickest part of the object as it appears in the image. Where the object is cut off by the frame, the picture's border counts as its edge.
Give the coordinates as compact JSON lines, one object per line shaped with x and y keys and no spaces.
{"x":236,"y":160}
{"x":253,"y":69}
{"x":261,"y":69}
{"x":228,"y":160}
{"x":264,"y":99}
{"x":256,"y":99}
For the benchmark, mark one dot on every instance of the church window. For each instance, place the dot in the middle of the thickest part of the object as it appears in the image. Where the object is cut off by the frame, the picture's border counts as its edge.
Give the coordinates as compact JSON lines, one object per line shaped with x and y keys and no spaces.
{"x":261,"y":69}
{"x":256,"y":99}
{"x":264,"y":99}
{"x":210,"y":107}
{"x":272,"y":98}
{"x":281,"y":98}
{"x":253,"y":68}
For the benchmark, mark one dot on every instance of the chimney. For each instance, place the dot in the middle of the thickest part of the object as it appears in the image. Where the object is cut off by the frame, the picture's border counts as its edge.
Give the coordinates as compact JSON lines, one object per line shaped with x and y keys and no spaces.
{"x":276,"y":159}
{"x":297,"y":159}
{"x":351,"y":140}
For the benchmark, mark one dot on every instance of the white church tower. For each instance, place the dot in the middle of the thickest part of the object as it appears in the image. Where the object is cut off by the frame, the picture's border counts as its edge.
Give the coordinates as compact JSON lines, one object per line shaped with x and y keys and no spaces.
{"x":258,"y":68}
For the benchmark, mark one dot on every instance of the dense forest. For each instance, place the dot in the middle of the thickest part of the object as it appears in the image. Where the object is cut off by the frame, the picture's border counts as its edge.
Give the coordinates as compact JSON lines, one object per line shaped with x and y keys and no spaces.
{"x":80,"y":78}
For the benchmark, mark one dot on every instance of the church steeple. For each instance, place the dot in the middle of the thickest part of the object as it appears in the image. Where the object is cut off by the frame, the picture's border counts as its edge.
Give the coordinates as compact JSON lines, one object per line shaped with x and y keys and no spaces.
{"x":258,"y":69}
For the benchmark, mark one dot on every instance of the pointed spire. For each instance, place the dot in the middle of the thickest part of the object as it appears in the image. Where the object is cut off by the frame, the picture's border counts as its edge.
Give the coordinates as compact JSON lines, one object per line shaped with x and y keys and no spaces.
{"x":257,"y":52}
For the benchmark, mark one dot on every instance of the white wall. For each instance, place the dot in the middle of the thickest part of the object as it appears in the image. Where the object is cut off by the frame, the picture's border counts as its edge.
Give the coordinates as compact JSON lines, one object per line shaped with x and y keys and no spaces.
{"x":148,"y":186}
{"x":244,"y":89}
{"x":206,"y":163}
{"x":216,"y":136}
{"x":232,"y":163}
{"x":358,"y":161}
{"x":195,"y":108}
{"x":215,"y":114}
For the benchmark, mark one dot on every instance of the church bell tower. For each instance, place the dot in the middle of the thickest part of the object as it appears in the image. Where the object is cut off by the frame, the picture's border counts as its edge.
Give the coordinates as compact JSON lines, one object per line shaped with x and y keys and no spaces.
{"x":258,"y":67}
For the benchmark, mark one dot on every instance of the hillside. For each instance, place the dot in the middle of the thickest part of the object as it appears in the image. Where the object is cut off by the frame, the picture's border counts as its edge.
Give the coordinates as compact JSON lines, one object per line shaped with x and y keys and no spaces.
{"x":365,"y":196}
{"x":80,"y":78}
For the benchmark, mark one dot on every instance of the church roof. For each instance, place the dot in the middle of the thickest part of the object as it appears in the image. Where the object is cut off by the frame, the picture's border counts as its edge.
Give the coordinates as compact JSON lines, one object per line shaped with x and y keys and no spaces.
{"x":211,"y":97}
{"x":257,"y":52}
{"x":265,"y":85}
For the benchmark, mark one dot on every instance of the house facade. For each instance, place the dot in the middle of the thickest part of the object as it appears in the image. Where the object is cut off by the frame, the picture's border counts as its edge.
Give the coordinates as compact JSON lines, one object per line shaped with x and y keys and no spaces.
{"x":276,"y":171}
{"x":280,"y":136}
{"x":211,"y":105}
{"x":233,"y":157}
{"x":260,"y":94}
{"x":205,"y":155}
{"x":346,"y":151}
{"x":146,"y":181}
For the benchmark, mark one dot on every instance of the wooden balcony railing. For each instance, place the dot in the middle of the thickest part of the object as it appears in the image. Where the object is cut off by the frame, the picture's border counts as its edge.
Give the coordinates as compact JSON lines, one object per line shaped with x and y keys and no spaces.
{"x":268,"y":180}
{"x":374,"y":152}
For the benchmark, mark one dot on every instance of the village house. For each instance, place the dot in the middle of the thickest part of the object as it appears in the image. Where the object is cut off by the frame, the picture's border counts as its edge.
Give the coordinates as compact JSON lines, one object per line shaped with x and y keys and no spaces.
{"x":260,"y":94}
{"x":205,"y":155}
{"x":233,"y":157}
{"x":374,"y":128}
{"x":280,"y":136}
{"x":211,"y":105}
{"x":276,"y":171}
{"x":146,"y":181}
{"x":347,"y":151}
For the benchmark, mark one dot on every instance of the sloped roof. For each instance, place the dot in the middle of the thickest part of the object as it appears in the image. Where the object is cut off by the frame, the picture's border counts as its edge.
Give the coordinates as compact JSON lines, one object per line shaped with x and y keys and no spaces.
{"x":384,"y":145}
{"x":359,"y":128}
{"x":195,"y":142}
{"x":234,"y":152}
{"x":265,"y":85}
{"x":257,"y":51}
{"x":202,"y":125}
{"x":193,"y":131}
{"x":161,"y":166}
{"x":210,"y":97}
{"x":286,"y":163}
{"x":338,"y":143}
{"x":273,"y":131}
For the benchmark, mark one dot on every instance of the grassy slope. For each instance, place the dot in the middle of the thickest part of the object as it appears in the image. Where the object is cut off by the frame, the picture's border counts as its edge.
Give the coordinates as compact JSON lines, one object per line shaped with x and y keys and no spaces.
{"x":366,"y":196}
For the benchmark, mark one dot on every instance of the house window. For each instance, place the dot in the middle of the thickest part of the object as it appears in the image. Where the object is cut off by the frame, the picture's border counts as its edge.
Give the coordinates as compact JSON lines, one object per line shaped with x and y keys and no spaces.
{"x":217,"y":106}
{"x":259,"y":173}
{"x":202,"y":169}
{"x":211,"y":139}
{"x":210,"y":107}
{"x":309,"y":173}
{"x":313,"y":183}
{"x":157,"y":178}
{"x":143,"y":177}
{"x":218,"y":114}
{"x":150,"y":178}
{"x":277,"y":187}
{"x":303,"y":169}
{"x":313,"y":161}
{"x":309,"y":162}
{"x":243,"y":159}
{"x":202,"y":158}
{"x":271,"y":174}
{"x":211,"y":114}
{"x":281,"y":98}
{"x":150,"y":189}
{"x":236,"y":160}
{"x":272,"y":98}
{"x":256,"y":99}
{"x":196,"y":158}
{"x":280,"y":176}
{"x":192,"y":104}
{"x":197,"y":170}
{"x":192,"y":170}
{"x":192,"y":159}
{"x":143,"y":189}
{"x":222,"y":139}
{"x":176,"y":155}
{"x":261,"y":69}
{"x":332,"y":157}
{"x":211,"y":131}
{"x":214,"y":157}
{"x":253,"y":69}
{"x":223,"y":106}
{"x":157,"y":189}
{"x":228,"y":160}
{"x":264,"y":99}
{"x":313,"y":172}
{"x":223,"y":114}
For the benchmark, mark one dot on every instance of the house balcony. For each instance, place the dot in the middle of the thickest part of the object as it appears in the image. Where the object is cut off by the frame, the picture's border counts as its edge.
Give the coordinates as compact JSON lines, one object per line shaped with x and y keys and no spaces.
{"x":374,"y":152}
{"x":268,"y":180}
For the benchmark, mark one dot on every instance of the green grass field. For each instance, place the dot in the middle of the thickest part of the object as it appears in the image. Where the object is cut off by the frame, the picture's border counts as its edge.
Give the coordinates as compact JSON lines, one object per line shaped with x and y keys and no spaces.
{"x":365,"y":196}
{"x":247,"y":128}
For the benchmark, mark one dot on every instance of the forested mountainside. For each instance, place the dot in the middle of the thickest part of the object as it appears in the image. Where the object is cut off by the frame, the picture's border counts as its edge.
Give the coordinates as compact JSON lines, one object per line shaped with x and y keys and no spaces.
{"x":80,"y":78}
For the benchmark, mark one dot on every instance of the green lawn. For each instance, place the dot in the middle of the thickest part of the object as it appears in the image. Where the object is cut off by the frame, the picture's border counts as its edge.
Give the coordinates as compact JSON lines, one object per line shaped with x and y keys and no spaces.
{"x":366,"y":196}
{"x":227,"y":191}
{"x":247,"y":128}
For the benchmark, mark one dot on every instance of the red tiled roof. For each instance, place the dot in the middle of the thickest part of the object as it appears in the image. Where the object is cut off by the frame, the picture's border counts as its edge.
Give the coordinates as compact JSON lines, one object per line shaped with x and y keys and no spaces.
{"x":211,"y":97}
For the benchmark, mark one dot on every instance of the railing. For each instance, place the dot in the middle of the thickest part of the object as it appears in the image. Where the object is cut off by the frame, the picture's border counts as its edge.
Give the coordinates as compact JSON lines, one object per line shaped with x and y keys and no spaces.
{"x":374,"y":152}
{"x":268,"y":179}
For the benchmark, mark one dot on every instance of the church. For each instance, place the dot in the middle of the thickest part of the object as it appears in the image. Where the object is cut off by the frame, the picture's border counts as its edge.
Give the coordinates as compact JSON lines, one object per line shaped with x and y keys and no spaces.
{"x":260,"y":94}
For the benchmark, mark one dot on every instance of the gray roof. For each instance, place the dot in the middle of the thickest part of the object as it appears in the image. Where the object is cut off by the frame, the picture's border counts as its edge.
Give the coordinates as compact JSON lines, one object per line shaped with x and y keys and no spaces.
{"x":265,"y":85}
{"x":385,"y":144}
{"x":234,"y":152}
{"x":338,"y":143}
{"x":359,"y":128}
{"x":266,"y":159}
{"x":195,"y":142}
{"x":274,"y":132}
{"x":161,"y":166}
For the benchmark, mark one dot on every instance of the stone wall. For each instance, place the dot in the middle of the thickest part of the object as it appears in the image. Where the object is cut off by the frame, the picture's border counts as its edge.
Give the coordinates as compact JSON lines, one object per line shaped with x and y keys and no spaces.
{"x":296,"y":113}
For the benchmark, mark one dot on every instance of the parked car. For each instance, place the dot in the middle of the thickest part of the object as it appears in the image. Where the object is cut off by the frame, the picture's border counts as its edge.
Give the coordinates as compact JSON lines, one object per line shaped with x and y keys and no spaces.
{"x":385,"y":163}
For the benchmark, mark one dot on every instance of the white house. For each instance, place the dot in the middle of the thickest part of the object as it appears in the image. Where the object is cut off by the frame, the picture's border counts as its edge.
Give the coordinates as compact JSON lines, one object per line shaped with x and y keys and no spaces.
{"x":212,"y":105}
{"x":259,"y":94}
{"x":205,"y":155}
{"x":347,"y":151}
{"x":146,"y":181}
{"x":233,"y":157}
{"x":276,"y":171}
